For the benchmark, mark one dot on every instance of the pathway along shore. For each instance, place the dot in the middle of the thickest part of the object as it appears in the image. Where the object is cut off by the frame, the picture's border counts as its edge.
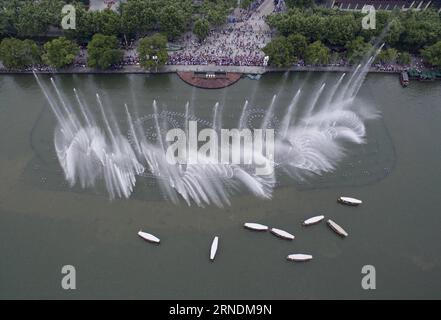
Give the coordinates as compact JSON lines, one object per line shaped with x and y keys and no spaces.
{"x":193,"y":68}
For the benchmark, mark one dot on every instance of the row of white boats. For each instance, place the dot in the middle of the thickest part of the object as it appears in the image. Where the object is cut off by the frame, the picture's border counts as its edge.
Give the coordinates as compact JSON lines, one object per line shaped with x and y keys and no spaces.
{"x":277,"y":232}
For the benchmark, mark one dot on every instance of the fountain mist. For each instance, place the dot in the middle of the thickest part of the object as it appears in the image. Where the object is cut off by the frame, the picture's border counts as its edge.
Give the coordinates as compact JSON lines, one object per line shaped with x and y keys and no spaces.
{"x":312,"y":144}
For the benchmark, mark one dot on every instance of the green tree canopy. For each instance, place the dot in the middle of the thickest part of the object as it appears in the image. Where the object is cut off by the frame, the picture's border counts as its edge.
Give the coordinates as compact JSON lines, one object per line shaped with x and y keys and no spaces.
{"x":107,"y":22}
{"x":389,"y":55}
{"x":341,"y":29}
{"x":357,"y":49}
{"x":33,"y":18}
{"x":404,"y":58}
{"x":300,"y":3}
{"x":18,"y":54}
{"x":280,"y":52}
{"x":421,"y":28}
{"x":317,"y":53}
{"x":59,"y":52}
{"x":432,"y":54}
{"x":85,"y":25}
{"x":137,"y":17}
{"x":298,"y":44}
{"x":216,"y":11}
{"x":150,"y":47}
{"x":201,"y":28}
{"x":103,"y":51}
{"x":172,"y":21}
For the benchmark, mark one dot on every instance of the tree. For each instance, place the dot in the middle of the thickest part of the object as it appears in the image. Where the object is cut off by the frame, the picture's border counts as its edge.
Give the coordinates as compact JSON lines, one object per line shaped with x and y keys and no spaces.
{"x":59,"y":52}
{"x":85,"y":25}
{"x":300,"y":3}
{"x":137,"y":17}
{"x":201,"y":28}
{"x":317,"y":53}
{"x":389,"y":55}
{"x":154,"y":46}
{"x":103,"y":51}
{"x":280,"y":52}
{"x":216,"y":17}
{"x":107,"y":22}
{"x":432,"y":54}
{"x":420,"y":29}
{"x":298,"y":45}
{"x":404,"y":58}
{"x":172,"y":21}
{"x":33,"y":18}
{"x":244,"y":4}
{"x":341,"y":29}
{"x":312,"y":27}
{"x":18,"y":54}
{"x":357,"y":49}
{"x":5,"y":25}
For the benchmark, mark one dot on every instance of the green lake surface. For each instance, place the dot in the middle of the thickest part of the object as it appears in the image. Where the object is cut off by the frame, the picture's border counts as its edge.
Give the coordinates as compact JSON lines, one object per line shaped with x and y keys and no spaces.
{"x":46,"y":224}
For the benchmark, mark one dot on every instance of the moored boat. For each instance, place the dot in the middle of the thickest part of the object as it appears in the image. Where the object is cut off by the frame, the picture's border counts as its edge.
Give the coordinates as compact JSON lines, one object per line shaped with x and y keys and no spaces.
{"x":349,"y":201}
{"x":313,"y":220}
{"x":213,"y":249}
{"x":404,"y":79}
{"x":149,"y":237}
{"x":300,"y":257}
{"x":337,"y":229}
{"x":282,"y":234}
{"x":255,"y":226}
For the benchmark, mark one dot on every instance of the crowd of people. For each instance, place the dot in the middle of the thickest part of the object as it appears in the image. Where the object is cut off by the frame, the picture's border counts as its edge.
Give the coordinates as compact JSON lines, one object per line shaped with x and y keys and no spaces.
{"x":239,"y":43}
{"x":40,"y":68}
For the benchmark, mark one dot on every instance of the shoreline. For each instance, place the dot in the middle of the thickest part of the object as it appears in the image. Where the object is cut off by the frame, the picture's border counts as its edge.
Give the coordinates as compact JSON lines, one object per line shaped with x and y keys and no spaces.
{"x":133,"y":69}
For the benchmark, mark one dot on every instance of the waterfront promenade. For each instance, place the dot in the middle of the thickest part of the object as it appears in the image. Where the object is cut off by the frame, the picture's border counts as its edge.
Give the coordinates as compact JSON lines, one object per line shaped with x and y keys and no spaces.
{"x":195,"y":68}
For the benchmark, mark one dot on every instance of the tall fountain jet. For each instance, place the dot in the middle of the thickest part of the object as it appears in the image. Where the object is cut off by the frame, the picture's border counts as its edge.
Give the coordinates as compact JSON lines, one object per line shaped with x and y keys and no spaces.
{"x":92,"y":149}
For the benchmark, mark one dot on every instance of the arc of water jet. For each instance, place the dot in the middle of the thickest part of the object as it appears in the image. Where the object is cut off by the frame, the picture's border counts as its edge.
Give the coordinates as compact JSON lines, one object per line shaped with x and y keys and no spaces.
{"x":158,"y":128}
{"x":187,"y":117}
{"x":243,"y":116}
{"x":334,"y":89}
{"x":66,"y":108}
{"x":106,"y":121}
{"x":313,"y":103}
{"x":215,"y":116}
{"x":58,"y":114}
{"x":132,"y":129}
{"x":269,"y":113}
{"x":288,"y":116}
{"x":316,"y":98}
{"x":347,"y":84}
{"x":357,"y":84}
{"x":358,"y":79}
{"x":85,"y":114}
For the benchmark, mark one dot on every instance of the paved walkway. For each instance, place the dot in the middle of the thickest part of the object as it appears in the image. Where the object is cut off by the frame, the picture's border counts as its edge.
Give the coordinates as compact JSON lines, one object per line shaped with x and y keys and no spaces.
{"x":204,"y":68}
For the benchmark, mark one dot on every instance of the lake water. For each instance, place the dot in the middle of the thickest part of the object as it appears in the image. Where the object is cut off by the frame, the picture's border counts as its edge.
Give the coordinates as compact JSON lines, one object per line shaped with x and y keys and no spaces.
{"x":45,"y":224}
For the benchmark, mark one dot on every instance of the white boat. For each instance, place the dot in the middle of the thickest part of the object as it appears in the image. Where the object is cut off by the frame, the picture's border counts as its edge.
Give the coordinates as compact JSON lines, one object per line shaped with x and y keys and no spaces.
{"x":255,"y":226}
{"x":349,"y":201}
{"x":213,"y":249}
{"x":149,"y":237}
{"x":313,"y":220}
{"x":282,"y":234}
{"x":339,"y":230}
{"x":299,"y":257}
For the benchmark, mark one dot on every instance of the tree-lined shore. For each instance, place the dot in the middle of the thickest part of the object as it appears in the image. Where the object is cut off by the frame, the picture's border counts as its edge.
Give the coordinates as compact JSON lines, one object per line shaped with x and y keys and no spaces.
{"x":323,"y":36}
{"x":304,"y":36}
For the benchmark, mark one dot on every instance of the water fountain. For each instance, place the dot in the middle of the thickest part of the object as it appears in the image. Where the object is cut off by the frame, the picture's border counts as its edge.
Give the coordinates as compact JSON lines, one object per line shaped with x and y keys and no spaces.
{"x":91,"y":148}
